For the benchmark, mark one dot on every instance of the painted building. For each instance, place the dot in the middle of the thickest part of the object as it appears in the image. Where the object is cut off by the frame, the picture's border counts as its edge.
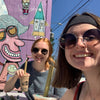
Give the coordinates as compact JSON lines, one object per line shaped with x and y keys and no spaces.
{"x":39,"y":22}
{"x":23,"y":23}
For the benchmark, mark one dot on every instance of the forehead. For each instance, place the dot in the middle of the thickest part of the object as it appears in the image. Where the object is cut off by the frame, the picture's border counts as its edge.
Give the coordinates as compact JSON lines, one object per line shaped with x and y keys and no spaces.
{"x":42,"y":44}
{"x":80,"y":28}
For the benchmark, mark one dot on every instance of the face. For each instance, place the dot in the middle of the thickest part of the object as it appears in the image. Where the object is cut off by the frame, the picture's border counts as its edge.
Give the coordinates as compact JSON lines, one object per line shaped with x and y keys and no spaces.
{"x":40,"y":52}
{"x":10,"y":43}
{"x":83,"y":55}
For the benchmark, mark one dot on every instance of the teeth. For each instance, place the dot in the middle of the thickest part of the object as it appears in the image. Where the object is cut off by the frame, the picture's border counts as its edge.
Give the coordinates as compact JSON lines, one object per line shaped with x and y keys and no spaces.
{"x":39,"y":57}
{"x":82,"y":55}
{"x":11,"y":54}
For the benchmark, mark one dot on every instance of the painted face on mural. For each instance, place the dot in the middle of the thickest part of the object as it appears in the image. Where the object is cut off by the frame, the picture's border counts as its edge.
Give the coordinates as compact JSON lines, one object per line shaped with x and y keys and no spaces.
{"x":11,"y":69}
{"x":10,"y":43}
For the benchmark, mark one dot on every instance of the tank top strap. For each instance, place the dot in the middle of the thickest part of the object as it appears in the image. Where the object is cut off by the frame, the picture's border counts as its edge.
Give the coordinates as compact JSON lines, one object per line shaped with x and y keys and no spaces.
{"x":78,"y":91}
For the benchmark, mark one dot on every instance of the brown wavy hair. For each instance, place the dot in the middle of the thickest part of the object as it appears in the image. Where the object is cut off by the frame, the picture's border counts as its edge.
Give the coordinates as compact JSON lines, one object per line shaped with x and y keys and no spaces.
{"x":66,"y":75}
{"x":50,"y":59}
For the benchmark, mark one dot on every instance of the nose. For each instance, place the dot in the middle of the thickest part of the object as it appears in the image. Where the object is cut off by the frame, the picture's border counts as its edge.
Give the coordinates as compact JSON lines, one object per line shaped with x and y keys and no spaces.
{"x":39,"y":52}
{"x":80,"y":42}
{"x":19,"y":42}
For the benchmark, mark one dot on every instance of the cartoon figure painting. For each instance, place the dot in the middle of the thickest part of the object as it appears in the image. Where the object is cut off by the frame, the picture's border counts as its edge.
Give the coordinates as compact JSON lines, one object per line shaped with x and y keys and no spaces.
{"x":10,"y":29}
{"x":16,"y":21}
{"x":25,"y":6}
{"x":39,"y":22}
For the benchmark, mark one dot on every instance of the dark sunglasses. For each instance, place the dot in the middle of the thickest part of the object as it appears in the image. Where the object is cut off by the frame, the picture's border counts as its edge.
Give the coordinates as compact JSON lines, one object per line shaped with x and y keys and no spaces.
{"x":90,"y":37}
{"x":11,"y":31}
{"x":43,"y":51}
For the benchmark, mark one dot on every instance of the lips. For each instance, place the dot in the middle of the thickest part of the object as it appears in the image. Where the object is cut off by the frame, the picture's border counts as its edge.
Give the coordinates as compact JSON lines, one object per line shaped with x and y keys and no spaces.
{"x":10,"y":55}
{"x":82,"y":55}
{"x":38,"y":58}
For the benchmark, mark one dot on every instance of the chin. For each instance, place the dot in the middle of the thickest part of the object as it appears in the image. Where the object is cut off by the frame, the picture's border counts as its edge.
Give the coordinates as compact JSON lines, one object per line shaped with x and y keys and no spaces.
{"x":38,"y":61}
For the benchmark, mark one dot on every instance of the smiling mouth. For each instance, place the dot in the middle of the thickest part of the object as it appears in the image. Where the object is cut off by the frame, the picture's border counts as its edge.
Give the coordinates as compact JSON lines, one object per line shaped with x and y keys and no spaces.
{"x":7,"y":53}
{"x":83,"y":55}
{"x":10,"y":53}
{"x":38,"y":58}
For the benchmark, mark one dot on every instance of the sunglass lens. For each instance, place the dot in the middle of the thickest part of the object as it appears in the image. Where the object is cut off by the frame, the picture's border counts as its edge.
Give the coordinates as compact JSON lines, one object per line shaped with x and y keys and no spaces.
{"x":68,"y":41}
{"x":92,"y":36}
{"x":2,"y":35}
{"x":44,"y":51}
{"x":12,"y":30}
{"x":35,"y":50}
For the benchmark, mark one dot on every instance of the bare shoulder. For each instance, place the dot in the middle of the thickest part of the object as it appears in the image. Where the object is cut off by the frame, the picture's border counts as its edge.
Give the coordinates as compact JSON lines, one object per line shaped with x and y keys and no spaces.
{"x":69,"y":94}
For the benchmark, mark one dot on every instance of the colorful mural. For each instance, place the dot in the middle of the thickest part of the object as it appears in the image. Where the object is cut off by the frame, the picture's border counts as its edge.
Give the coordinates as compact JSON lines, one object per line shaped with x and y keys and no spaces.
{"x":23,"y":23}
{"x":39,"y":22}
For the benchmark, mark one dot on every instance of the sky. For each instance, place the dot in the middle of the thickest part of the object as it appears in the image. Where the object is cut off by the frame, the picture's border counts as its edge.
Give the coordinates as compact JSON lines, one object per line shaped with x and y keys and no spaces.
{"x":62,"y":10}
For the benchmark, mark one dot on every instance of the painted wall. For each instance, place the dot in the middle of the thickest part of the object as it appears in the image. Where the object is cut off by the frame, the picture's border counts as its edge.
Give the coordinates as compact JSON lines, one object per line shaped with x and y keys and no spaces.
{"x":25,"y":21}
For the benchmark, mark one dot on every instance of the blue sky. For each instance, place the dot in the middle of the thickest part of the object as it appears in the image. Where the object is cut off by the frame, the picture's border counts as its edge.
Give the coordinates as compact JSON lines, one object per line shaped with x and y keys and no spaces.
{"x":63,"y":9}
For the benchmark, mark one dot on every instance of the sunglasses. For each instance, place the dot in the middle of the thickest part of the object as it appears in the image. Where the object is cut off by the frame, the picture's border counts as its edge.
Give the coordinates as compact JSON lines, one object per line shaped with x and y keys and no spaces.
{"x":43,"y":51}
{"x":11,"y":31}
{"x":90,"y":37}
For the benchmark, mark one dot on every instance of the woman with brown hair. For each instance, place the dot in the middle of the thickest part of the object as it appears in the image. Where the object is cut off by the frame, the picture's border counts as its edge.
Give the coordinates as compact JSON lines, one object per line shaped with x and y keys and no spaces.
{"x":37,"y":69}
{"x":79,"y":52}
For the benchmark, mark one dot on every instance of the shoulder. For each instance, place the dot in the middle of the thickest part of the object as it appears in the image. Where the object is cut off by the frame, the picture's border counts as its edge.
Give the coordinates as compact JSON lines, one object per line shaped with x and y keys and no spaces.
{"x":28,"y":64}
{"x":69,"y":94}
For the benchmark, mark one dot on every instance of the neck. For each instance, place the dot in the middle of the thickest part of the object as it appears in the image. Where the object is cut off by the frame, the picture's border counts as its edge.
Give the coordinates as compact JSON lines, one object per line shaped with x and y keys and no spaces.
{"x":92,"y":85}
{"x":41,"y":67}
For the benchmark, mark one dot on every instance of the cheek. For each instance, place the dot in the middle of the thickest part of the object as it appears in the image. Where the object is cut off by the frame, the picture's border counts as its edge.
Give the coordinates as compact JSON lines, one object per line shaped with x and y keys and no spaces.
{"x":96,"y":51}
{"x":97,"y":56}
{"x":47,"y":56}
{"x":33,"y":55}
{"x":67,"y":55}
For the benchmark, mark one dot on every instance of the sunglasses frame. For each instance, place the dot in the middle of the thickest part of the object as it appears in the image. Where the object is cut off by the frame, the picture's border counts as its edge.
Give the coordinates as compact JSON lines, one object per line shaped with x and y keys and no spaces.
{"x":63,"y":36}
{"x":7,"y":30}
{"x":11,"y":27}
{"x":3,"y":38}
{"x":43,"y":50}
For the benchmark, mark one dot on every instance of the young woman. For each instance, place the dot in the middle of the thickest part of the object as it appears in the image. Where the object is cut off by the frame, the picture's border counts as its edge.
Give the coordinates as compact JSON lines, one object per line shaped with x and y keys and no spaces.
{"x":79,"y":52}
{"x":37,"y":69}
